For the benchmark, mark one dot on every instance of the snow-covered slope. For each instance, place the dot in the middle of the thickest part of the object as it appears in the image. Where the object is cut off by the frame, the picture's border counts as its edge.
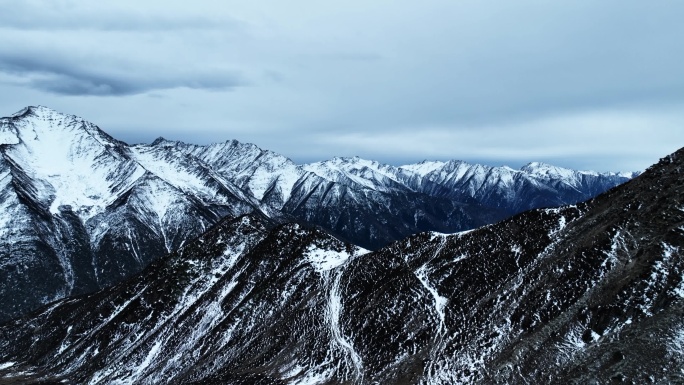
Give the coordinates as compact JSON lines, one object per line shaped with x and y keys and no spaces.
{"x":370,"y":174}
{"x":511,"y":191}
{"x":591,"y":293}
{"x":81,"y":210}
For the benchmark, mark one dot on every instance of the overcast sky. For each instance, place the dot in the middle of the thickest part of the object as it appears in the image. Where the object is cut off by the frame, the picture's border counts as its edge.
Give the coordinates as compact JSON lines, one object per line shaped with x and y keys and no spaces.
{"x":583,"y":84}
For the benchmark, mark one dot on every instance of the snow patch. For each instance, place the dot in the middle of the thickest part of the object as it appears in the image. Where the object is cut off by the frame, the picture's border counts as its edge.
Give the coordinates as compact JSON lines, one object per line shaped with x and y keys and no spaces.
{"x":298,"y":376}
{"x":572,"y":344}
{"x":323,"y":260}
{"x":659,"y":275}
{"x":333,"y":314}
{"x":675,"y":346}
{"x":151,"y":355}
{"x":440,"y":301}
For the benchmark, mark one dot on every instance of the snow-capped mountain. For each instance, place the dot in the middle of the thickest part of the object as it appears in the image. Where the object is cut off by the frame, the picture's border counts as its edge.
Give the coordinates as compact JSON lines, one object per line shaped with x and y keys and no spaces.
{"x":361,"y":211}
{"x":511,"y":191}
{"x":587,"y":293}
{"x":80,"y":210}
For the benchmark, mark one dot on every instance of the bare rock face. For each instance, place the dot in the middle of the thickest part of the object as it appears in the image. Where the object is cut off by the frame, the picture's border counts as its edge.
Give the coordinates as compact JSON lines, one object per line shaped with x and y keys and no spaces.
{"x":588,"y":293}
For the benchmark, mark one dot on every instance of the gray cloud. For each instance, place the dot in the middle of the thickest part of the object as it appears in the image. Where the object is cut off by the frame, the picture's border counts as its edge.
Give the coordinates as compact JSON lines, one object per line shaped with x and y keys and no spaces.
{"x":65,"y":77}
{"x":499,"y":82}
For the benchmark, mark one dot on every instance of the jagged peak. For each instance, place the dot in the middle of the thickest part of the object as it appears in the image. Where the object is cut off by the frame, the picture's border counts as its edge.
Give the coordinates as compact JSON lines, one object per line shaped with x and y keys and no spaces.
{"x":28,"y":118}
{"x":456,"y":164}
{"x":353,"y":165}
{"x":430,"y":167}
{"x":23,"y":112}
{"x":531,"y":166}
{"x":336,"y":162}
{"x":542,"y":169}
{"x":676,"y":159}
{"x":342,"y":159}
{"x":424,"y":167}
{"x":546,"y":170}
{"x":234,"y":143}
{"x":40,"y":111}
{"x":57,"y":120}
{"x":35,"y":121}
{"x":161,"y":141}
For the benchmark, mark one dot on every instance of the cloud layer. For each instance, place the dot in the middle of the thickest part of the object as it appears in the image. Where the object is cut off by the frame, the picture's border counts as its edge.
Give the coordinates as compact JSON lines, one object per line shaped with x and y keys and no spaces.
{"x":490,"y":81}
{"x":60,"y":75}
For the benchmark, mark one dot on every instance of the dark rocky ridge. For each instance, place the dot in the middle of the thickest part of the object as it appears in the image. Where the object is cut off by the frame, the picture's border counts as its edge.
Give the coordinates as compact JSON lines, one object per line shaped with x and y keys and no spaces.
{"x":592,"y":293}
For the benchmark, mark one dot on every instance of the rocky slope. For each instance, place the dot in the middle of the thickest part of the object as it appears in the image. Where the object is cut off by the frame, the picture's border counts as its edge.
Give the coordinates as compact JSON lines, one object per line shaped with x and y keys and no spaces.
{"x":80,"y":210}
{"x":590,"y":293}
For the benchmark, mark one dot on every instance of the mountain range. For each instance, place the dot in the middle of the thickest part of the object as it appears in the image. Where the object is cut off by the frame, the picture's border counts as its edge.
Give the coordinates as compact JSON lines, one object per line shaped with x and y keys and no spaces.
{"x":80,"y":210}
{"x":589,"y":293}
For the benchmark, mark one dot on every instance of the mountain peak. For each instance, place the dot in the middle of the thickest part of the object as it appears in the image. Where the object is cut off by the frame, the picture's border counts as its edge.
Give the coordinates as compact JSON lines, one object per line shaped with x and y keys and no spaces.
{"x":532,"y":166}
{"x":546,"y":170}
{"x":23,"y":112}
{"x":343,"y":159}
{"x":424,"y":167}
{"x":161,"y":141}
{"x":40,"y":117}
{"x":676,"y":157}
{"x":37,"y":111}
{"x":36,"y":123}
{"x":30,"y":121}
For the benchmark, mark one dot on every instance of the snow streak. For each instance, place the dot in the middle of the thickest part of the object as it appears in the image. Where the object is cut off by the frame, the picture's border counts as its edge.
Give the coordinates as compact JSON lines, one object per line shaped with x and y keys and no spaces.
{"x":333,"y":314}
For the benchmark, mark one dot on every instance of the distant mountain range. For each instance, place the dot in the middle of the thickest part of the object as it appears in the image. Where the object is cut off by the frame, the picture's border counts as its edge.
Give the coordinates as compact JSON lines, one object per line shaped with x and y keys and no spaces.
{"x":591,"y":293}
{"x":80,"y":210}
